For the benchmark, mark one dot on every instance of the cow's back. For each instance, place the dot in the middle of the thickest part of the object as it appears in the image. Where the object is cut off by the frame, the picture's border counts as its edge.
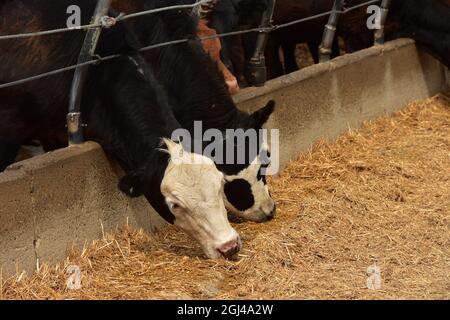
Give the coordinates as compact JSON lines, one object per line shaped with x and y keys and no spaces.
{"x":40,"y":106}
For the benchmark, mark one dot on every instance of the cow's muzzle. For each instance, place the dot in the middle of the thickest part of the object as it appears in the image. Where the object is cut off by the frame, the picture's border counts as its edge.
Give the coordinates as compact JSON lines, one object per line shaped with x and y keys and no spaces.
{"x":230,"y":249}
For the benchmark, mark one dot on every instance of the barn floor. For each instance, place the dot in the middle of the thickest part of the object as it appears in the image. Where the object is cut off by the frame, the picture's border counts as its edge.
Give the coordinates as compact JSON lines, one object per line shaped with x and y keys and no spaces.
{"x":379,"y":195}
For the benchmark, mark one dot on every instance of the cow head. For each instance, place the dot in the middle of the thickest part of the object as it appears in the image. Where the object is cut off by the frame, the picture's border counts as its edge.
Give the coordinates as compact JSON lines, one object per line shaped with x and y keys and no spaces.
{"x":192,"y":191}
{"x":246,"y":191}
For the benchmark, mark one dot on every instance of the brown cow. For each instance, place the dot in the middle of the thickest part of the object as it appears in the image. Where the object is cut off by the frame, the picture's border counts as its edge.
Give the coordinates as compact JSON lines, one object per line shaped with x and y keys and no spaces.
{"x":213,"y":48}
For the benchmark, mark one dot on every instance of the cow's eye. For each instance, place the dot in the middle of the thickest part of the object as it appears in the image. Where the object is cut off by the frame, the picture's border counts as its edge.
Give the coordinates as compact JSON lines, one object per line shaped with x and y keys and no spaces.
{"x":174,"y":206}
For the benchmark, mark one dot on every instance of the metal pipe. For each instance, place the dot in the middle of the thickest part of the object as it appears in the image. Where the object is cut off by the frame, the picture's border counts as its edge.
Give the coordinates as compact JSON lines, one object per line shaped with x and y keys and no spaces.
{"x":329,"y":33}
{"x":379,"y":33}
{"x":74,"y":118}
{"x":256,"y":68}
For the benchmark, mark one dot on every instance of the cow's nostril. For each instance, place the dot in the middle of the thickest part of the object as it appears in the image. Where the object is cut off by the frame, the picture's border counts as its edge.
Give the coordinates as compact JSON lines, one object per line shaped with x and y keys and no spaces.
{"x":274,"y":210}
{"x":272,"y":213}
{"x":229,"y":249}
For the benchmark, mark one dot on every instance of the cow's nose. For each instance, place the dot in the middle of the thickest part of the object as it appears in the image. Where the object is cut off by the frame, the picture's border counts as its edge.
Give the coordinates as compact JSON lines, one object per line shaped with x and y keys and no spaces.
{"x":272,"y":213}
{"x":230,"y":249}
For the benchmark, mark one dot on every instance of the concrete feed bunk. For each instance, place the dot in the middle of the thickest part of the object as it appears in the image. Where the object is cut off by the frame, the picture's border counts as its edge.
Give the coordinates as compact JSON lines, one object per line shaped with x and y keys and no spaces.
{"x":68,"y":197}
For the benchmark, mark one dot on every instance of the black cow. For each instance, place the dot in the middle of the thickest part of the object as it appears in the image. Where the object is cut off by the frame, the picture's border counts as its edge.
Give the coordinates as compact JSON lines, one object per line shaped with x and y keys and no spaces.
{"x":197,"y":92}
{"x":126,"y":111}
{"x":425,"y":21}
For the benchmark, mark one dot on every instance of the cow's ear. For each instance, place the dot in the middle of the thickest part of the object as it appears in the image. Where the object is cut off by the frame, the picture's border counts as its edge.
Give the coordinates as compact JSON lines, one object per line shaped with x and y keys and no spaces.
{"x":261,"y":116}
{"x":132,"y":184}
{"x":174,"y":149}
{"x":172,"y":146}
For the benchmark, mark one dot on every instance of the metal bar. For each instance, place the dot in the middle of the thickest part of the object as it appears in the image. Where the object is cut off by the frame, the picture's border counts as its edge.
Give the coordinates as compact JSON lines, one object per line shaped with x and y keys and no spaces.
{"x":74,"y":118}
{"x":95,"y":25}
{"x":256,"y":68}
{"x":329,"y":33}
{"x":379,"y":33}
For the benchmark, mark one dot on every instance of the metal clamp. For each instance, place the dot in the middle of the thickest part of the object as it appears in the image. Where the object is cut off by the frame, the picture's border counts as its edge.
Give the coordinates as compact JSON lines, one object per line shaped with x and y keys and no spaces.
{"x":329,"y":33}
{"x":256,"y":72}
{"x":379,"y":33}
{"x":108,"y":22}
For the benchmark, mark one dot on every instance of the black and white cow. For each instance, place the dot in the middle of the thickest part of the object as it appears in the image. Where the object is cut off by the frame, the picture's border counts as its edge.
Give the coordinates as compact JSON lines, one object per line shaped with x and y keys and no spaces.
{"x":125,"y":110}
{"x":197,"y":92}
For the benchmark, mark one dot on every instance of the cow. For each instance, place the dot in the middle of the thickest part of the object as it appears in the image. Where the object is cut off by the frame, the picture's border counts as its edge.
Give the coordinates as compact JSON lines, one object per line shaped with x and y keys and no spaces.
{"x":424,"y":21}
{"x":213,"y":47}
{"x":197,"y":91}
{"x":228,"y":15}
{"x":309,"y":32}
{"x":124,"y":109}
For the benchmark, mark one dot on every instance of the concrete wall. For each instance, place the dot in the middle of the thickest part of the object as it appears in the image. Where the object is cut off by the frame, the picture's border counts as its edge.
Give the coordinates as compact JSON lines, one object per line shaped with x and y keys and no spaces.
{"x":53,"y":201}
{"x":324,"y":100}
{"x":60,"y":199}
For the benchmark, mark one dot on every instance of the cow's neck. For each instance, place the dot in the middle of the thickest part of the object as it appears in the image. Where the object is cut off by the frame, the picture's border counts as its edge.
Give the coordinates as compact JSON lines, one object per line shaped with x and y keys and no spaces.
{"x":196,"y":88}
{"x":133,"y":121}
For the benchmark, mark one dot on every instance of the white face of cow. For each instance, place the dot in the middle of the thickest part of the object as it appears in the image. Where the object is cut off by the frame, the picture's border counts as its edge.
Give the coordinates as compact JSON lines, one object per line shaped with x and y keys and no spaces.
{"x":247,"y":195}
{"x":193,"y":190}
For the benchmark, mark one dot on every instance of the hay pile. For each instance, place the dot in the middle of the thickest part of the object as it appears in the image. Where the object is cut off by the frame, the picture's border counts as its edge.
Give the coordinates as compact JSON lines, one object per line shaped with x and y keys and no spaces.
{"x":378,"y":195}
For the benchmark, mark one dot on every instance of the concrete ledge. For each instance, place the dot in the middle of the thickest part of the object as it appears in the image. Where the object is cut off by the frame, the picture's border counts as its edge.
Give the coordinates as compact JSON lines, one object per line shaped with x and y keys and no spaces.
{"x":324,"y":100}
{"x":60,"y":199}
{"x":63,"y":198}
